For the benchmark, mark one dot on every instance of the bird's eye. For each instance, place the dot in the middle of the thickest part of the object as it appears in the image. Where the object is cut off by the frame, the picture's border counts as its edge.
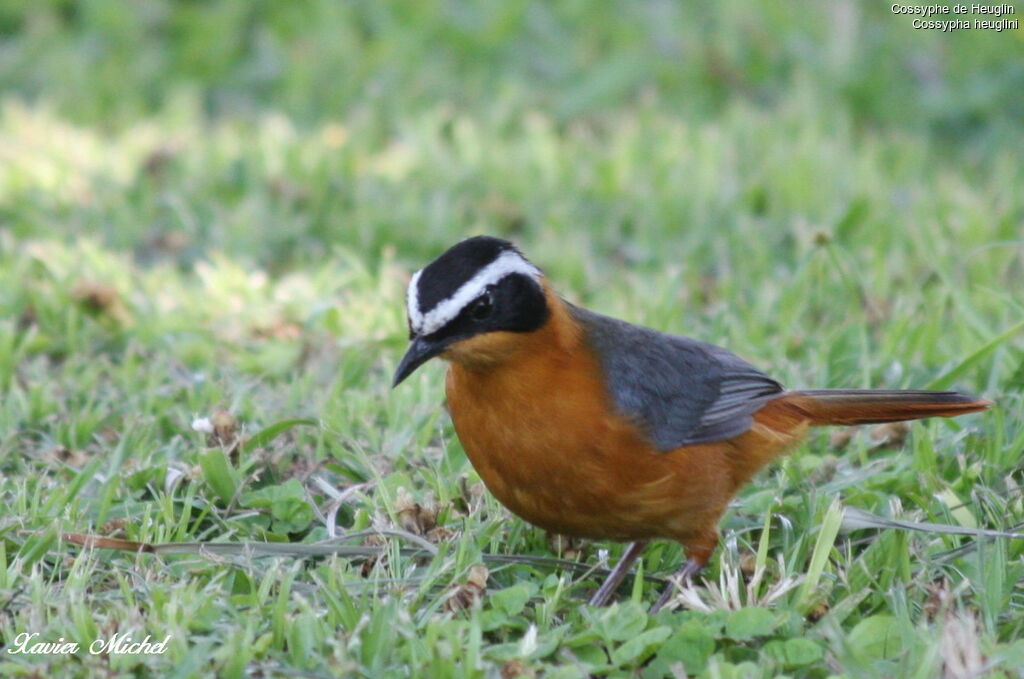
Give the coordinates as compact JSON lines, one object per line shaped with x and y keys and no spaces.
{"x":482,"y":307}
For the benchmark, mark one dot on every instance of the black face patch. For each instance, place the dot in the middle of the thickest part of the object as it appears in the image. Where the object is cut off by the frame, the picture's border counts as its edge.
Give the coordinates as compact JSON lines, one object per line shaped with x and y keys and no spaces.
{"x":446,"y":274}
{"x":514,"y":304}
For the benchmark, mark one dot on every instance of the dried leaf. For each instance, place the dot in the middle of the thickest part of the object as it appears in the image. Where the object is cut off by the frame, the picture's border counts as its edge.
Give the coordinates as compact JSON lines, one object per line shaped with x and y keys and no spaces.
{"x":889,"y":435}
{"x":465,"y":595}
{"x":412,"y":516}
{"x":564,"y":546}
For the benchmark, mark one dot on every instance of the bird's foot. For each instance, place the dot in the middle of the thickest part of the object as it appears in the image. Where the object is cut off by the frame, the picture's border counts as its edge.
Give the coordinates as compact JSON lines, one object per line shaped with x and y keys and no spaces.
{"x":683,"y":575}
{"x":607,"y":589}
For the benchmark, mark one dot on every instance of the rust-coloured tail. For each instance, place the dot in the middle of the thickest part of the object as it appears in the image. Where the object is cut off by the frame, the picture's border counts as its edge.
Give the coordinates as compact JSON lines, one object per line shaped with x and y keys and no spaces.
{"x":874,"y":406}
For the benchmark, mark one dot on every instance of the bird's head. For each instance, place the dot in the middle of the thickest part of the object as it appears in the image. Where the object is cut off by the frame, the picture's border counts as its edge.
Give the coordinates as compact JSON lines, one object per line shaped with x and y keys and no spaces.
{"x":470,"y":302}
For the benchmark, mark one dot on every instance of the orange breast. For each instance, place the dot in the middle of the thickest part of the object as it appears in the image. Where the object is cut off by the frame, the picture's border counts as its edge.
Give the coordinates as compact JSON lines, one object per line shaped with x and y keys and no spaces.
{"x":538,"y":425}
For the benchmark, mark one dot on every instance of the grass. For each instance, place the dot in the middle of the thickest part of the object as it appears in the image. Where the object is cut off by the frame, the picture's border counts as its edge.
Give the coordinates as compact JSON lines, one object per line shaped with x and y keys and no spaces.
{"x":214,"y":208}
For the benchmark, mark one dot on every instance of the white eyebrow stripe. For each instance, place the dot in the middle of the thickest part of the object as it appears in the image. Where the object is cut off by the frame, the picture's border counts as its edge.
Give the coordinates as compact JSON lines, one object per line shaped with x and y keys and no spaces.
{"x":509,"y":262}
{"x":412,"y":301}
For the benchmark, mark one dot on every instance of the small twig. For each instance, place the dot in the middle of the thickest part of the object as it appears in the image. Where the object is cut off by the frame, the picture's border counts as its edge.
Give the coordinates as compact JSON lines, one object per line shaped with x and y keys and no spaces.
{"x":331,"y":547}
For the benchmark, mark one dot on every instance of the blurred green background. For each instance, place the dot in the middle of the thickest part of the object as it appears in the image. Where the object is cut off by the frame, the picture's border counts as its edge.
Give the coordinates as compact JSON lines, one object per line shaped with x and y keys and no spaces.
{"x":215,"y":206}
{"x":108,"y":63}
{"x":398,"y":88}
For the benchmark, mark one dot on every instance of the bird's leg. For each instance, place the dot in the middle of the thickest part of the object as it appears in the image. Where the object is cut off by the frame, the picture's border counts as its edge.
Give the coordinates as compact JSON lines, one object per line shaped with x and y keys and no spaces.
{"x":689,"y":569}
{"x":604,"y":593}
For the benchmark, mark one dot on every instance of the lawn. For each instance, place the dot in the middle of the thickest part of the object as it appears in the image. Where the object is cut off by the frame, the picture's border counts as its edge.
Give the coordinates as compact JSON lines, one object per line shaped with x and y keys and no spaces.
{"x":208,"y":215}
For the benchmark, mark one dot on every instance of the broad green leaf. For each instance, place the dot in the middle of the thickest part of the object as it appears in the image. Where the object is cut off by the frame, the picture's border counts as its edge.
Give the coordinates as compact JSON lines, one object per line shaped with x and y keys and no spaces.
{"x":793,"y":652}
{"x":269,"y":433}
{"x":750,"y":622}
{"x":692,"y":644}
{"x":639,"y":646}
{"x":622,"y":621}
{"x":218,"y":473}
{"x":511,"y":600}
{"x":875,"y":638}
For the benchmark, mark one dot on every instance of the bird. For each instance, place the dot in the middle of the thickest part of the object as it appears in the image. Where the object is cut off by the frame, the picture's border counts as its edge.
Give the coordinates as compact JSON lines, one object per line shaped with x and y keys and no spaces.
{"x":592,"y":427}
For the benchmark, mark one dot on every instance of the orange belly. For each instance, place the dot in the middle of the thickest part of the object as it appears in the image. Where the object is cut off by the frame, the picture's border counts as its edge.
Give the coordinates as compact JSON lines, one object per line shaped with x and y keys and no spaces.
{"x":536,"y":420}
{"x":553,"y":451}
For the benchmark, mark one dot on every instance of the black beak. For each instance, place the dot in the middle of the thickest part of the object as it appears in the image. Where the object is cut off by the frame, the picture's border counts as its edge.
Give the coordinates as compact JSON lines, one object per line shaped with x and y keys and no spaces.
{"x":419,"y":352}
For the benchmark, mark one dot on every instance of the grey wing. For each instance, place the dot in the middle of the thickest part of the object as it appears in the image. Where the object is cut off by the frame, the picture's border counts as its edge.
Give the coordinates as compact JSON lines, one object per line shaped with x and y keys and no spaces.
{"x":680,"y":391}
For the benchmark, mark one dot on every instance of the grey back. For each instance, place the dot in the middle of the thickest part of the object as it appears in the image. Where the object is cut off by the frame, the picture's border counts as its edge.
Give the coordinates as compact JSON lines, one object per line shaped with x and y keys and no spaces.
{"x":680,"y":391}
